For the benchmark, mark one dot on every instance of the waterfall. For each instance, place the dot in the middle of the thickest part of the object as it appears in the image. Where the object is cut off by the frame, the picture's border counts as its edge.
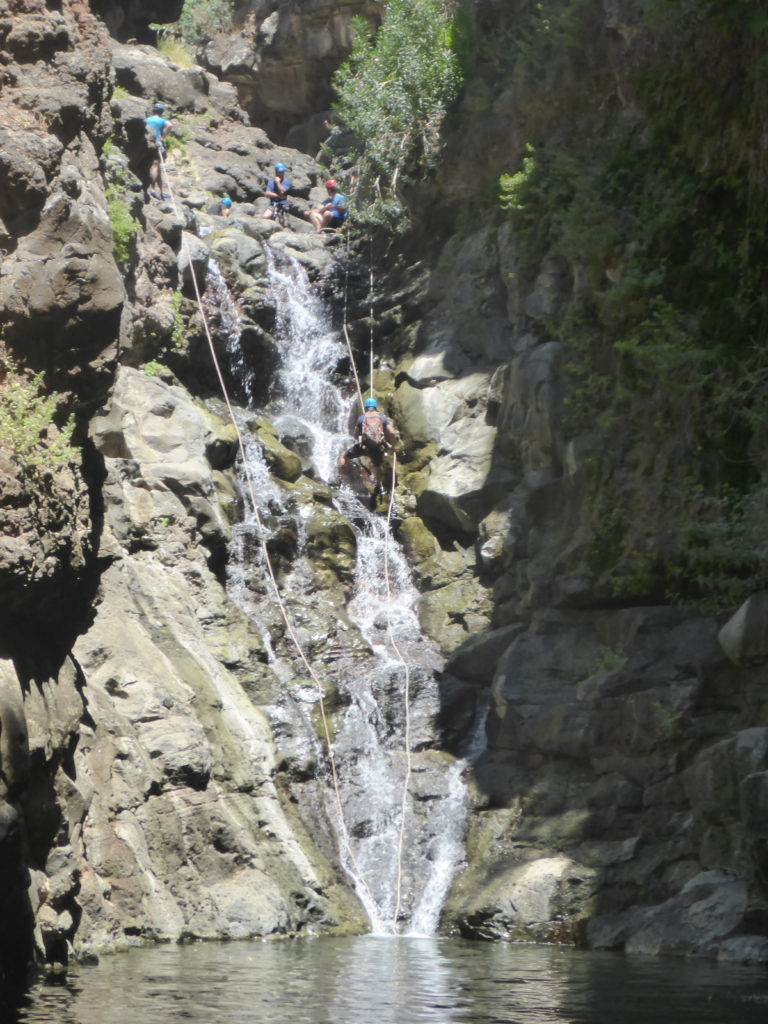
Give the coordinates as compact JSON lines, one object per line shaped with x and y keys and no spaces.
{"x":310,"y":350}
{"x":308,"y":403}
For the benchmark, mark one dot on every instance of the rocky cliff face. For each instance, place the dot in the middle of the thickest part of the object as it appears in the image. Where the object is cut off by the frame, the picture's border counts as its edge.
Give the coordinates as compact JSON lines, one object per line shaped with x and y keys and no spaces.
{"x":152,"y":784}
{"x":600,"y":812}
{"x":119,"y":730}
{"x":282,"y":60}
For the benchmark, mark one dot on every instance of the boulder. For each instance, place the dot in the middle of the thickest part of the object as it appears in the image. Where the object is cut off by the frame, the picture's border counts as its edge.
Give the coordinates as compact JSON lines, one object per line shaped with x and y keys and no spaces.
{"x":14,"y":743}
{"x":67,"y":306}
{"x":744,"y":637}
{"x":284,"y":463}
{"x":143,"y":71}
{"x":454,"y":494}
{"x":714,"y":780}
{"x":535,"y":901}
{"x":282,"y":62}
{"x":154,"y":439}
{"x":476,"y":658}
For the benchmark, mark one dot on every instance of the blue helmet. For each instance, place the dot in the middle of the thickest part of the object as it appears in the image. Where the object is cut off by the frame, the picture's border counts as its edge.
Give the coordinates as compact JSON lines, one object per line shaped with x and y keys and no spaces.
{"x":280,"y":167}
{"x":158,"y":108}
{"x":370,"y":403}
{"x":226,"y":201}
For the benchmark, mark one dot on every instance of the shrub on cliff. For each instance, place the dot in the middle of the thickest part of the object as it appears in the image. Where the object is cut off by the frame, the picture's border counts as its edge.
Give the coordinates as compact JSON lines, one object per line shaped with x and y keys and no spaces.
{"x":28,"y":432}
{"x":662,"y":218}
{"x":394,"y":92}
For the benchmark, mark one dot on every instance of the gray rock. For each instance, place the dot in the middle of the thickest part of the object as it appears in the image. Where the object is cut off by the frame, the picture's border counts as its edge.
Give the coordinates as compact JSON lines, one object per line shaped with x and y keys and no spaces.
{"x":744,"y":949}
{"x":14,"y":744}
{"x":536,"y":900}
{"x":713,"y":781}
{"x":744,"y":637}
{"x":145,"y":72}
{"x":262,"y":58}
{"x":193,"y":256}
{"x":477,"y":657}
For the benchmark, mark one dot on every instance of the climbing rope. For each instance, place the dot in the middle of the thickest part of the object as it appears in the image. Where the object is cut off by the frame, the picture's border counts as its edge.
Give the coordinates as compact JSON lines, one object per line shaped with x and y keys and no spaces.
{"x":390,"y":630}
{"x":262,"y":541}
{"x":407,"y":702}
{"x":370,"y":312}
{"x":346,"y":332}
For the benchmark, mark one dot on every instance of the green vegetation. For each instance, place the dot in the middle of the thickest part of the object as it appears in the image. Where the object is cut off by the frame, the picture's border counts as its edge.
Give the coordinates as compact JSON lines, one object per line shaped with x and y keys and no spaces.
{"x":608,"y":659}
{"x":176,"y":141}
{"x":200,"y":21}
{"x":153,"y":368}
{"x":117,"y":192}
{"x":203,"y":19}
{"x":28,"y":431}
{"x":662,"y":222}
{"x":178,"y":332}
{"x":176,"y":50}
{"x":124,"y":227}
{"x":394,"y":93}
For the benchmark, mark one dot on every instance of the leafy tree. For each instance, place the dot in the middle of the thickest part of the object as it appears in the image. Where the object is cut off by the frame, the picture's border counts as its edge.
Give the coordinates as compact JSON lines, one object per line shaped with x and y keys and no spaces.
{"x":394,"y":92}
{"x":202,"y":19}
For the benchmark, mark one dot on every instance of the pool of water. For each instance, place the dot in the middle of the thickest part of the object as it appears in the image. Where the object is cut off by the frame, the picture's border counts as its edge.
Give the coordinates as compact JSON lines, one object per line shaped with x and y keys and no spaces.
{"x":369,"y":980}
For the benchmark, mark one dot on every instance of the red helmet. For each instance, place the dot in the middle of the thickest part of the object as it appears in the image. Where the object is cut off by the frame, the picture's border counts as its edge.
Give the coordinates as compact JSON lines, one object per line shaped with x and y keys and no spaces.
{"x":331,"y":183}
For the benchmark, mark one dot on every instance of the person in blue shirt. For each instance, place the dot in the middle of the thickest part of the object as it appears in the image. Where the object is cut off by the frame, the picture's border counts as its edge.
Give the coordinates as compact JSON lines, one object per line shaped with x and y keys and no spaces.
{"x":221,"y":208}
{"x":159,"y":126}
{"x":276,"y":191}
{"x":332,"y":212}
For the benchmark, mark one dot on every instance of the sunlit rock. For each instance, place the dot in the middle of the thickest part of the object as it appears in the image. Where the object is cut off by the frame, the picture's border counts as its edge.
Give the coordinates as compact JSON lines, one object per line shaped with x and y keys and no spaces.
{"x":744,"y":637}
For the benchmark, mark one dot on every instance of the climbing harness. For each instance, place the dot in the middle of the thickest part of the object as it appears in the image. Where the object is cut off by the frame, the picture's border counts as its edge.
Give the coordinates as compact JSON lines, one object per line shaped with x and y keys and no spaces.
{"x":263,"y":544}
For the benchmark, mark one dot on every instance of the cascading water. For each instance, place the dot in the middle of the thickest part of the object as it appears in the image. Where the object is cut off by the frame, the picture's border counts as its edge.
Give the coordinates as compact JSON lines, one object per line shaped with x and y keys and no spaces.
{"x":308,"y":407}
{"x":310,"y":350}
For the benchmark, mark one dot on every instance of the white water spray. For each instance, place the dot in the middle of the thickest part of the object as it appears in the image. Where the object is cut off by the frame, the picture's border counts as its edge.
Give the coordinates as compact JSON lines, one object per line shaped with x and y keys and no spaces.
{"x":308,"y":405}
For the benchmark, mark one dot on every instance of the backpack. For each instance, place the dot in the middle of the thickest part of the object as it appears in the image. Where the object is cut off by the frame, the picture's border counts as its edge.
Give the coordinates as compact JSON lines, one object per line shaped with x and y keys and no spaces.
{"x":373,"y":429}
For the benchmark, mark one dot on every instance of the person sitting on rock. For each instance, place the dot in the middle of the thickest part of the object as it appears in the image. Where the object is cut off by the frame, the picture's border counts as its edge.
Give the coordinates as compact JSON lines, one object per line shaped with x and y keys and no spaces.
{"x":276,"y":191}
{"x":332,"y":212}
{"x":160,"y":127}
{"x":374,"y":436}
{"x":221,"y":208}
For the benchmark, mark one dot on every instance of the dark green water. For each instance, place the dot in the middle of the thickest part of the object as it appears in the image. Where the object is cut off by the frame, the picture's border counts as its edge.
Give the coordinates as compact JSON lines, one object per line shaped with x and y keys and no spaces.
{"x":396,"y":981}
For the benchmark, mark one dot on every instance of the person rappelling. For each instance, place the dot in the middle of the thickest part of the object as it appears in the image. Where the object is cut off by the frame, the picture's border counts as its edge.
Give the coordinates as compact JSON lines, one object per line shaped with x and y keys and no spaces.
{"x":374,"y":436}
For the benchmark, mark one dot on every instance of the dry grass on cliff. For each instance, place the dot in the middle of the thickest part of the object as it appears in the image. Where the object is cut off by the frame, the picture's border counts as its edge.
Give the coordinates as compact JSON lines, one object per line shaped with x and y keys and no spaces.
{"x":17,"y":119}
